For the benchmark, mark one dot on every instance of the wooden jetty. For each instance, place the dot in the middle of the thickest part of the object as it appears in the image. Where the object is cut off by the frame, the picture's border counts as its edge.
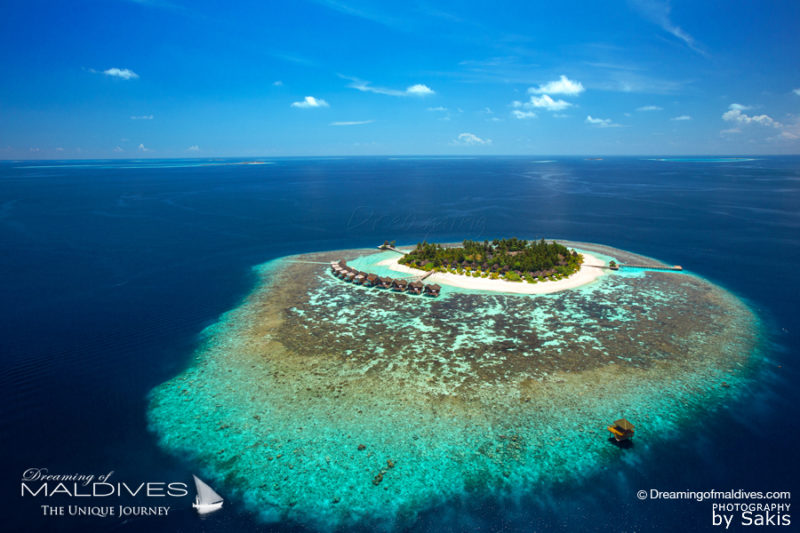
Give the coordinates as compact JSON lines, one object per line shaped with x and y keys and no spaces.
{"x":673,"y":268}
{"x":617,"y":266}
{"x":387,"y":246}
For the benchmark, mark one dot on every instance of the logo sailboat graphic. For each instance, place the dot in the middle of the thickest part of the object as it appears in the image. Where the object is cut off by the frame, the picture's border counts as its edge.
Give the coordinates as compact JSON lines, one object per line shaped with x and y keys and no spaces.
{"x":207,"y":501}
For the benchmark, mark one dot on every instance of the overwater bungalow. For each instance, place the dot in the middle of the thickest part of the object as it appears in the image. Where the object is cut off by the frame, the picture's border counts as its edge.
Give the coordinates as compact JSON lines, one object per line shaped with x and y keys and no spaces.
{"x":371,"y":280}
{"x":360,"y":277}
{"x":350,"y":276}
{"x":400,"y":285}
{"x":622,"y":429}
{"x":432,"y":290}
{"x":415,"y":287}
{"x":385,"y":283}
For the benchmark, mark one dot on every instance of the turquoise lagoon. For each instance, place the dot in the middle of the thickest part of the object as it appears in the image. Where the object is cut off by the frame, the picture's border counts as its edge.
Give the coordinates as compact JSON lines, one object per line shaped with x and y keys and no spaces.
{"x":331,"y":404}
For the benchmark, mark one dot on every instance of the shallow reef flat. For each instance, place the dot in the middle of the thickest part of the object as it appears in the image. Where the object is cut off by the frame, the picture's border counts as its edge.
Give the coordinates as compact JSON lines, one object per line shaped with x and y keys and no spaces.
{"x":337,"y":405}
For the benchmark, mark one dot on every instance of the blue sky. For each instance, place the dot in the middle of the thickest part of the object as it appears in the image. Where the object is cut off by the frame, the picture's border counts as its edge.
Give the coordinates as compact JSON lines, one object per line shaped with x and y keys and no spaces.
{"x":172,"y":78}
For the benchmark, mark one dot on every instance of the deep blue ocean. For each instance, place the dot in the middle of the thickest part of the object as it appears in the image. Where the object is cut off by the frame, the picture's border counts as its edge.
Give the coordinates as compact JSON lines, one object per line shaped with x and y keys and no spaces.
{"x":110,"y":270}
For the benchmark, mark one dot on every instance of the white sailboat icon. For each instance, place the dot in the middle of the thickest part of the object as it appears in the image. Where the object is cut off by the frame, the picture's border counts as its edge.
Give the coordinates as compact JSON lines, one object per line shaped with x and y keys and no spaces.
{"x":207,"y":501}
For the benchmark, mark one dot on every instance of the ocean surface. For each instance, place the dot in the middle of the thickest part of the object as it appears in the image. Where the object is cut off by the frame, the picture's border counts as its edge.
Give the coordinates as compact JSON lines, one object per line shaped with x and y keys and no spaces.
{"x":112,"y":269}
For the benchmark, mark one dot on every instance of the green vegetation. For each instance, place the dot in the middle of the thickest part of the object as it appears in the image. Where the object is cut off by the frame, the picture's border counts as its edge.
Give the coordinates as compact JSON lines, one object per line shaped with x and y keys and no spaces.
{"x":511,"y":259}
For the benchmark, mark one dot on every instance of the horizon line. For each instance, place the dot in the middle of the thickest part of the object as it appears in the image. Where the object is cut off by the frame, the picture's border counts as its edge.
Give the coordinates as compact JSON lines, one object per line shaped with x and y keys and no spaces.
{"x":352,"y":156}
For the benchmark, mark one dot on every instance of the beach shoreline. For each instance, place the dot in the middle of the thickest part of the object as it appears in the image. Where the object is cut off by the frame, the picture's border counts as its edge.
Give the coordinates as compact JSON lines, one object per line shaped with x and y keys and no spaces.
{"x":590,"y":270}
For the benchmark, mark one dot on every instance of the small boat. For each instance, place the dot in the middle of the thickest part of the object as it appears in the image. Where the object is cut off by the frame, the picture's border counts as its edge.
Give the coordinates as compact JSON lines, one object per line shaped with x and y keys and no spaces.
{"x":622,"y":429}
{"x":206,"y":501}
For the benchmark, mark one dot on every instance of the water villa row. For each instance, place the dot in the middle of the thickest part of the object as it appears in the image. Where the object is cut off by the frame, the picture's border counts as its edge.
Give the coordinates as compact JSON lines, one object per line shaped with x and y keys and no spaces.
{"x":341,"y":270}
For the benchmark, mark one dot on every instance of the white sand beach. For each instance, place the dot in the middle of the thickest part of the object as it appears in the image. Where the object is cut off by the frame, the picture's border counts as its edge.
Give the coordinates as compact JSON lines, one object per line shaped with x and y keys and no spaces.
{"x":588,"y":272}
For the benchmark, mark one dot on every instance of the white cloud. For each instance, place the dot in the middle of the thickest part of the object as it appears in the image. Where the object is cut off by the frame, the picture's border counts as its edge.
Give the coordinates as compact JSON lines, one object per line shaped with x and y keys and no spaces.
{"x":193,"y":148}
{"x":523,"y":114}
{"x":33,"y":149}
{"x":418,"y":89}
{"x":123,"y":73}
{"x":739,"y":107}
{"x":118,"y":149}
{"x":142,"y":117}
{"x":563,"y":85}
{"x":277,"y":83}
{"x":796,"y":91}
{"x":438,"y":108}
{"x":548,"y":103}
{"x":470,"y":139}
{"x":649,"y":108}
{"x":309,"y":102}
{"x":681,"y":117}
{"x":601,"y":122}
{"x":790,"y":131}
{"x":658,"y":12}
{"x":59,"y":149}
{"x":735,"y":114}
{"x":142,"y":148}
{"x":352,"y":122}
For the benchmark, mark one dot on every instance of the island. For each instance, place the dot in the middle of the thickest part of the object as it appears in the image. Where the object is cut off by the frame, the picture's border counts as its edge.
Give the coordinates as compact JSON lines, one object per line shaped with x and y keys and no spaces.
{"x":509,"y":259}
{"x":515,"y":266}
{"x":338,"y":403}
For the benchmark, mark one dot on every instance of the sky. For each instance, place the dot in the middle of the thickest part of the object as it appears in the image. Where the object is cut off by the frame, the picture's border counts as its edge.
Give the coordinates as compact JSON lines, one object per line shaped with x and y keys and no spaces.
{"x":209,"y":78}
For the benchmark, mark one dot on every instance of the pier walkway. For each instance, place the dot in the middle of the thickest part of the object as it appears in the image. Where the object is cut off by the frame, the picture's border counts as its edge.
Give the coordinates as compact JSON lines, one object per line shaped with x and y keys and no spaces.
{"x":391,"y":249}
{"x":665,"y":268}
{"x":674,"y":268}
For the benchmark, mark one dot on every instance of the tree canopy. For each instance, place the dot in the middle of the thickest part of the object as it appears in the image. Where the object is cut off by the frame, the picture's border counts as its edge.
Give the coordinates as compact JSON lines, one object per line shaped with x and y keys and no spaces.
{"x":510,"y":258}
